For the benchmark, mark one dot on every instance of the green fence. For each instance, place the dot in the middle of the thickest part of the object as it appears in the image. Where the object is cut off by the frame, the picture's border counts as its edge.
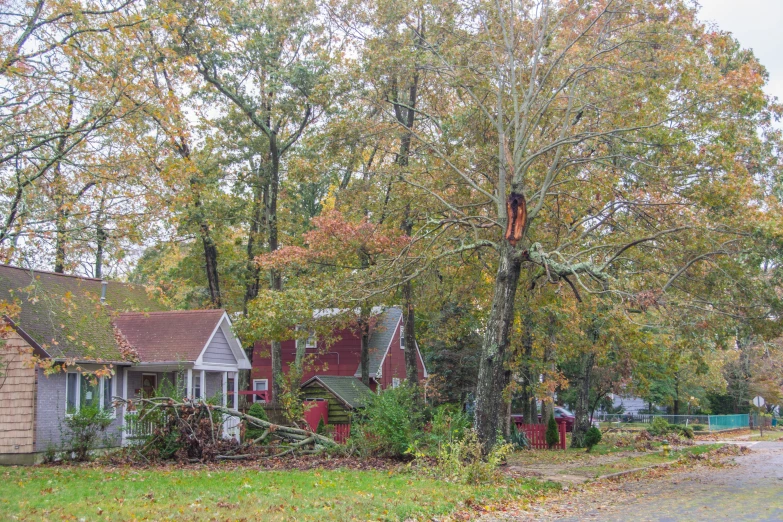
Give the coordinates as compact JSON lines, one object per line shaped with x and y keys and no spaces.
{"x":727,"y":422}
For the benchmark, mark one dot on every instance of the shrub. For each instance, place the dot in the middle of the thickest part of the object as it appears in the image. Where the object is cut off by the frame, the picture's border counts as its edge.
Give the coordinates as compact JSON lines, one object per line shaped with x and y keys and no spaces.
{"x":85,"y":431}
{"x":518,"y":438}
{"x":659,"y":426}
{"x":592,"y":437}
{"x":685,"y":431}
{"x":552,"y":433}
{"x":698,"y":427}
{"x":389,"y":424}
{"x":256,"y":410}
{"x":448,"y":423}
{"x":463,"y":460}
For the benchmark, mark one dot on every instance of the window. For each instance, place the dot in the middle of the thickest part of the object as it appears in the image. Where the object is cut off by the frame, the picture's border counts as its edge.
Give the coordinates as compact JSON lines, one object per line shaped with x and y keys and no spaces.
{"x":395,"y":382}
{"x":311,"y":342}
{"x":402,"y":336}
{"x":259,"y":385}
{"x":196,"y":386}
{"x":85,"y":390}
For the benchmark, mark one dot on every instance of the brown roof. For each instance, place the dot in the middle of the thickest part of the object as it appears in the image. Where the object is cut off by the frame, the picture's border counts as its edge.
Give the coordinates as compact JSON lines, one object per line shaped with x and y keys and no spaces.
{"x":63,"y":314}
{"x":179,"y":335}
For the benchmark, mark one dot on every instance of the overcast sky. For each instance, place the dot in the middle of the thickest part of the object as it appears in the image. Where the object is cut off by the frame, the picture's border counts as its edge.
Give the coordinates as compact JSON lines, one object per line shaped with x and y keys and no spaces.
{"x":758,"y":25}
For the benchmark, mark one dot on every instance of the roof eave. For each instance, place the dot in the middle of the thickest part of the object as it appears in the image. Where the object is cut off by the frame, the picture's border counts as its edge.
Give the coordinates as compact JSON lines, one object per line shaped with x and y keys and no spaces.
{"x":37,"y":348}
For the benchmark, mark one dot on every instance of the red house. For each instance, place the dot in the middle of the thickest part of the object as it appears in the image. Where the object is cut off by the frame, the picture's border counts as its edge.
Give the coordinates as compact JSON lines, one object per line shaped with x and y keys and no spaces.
{"x":387,"y":356}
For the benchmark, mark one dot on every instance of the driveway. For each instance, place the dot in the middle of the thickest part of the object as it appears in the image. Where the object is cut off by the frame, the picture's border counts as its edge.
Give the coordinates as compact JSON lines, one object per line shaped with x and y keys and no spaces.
{"x":750,"y":490}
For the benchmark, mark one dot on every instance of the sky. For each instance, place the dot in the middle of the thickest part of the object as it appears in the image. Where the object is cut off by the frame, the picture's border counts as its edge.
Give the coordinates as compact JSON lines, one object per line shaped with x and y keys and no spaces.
{"x":758,"y":25}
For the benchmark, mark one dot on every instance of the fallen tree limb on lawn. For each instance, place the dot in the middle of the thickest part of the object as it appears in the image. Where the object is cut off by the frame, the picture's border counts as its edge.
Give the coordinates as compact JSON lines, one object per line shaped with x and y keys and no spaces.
{"x":193,"y":431}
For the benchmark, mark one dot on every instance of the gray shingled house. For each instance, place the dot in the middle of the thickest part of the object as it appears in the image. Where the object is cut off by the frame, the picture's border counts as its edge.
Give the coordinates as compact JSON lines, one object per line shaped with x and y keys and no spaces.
{"x":61,"y":329}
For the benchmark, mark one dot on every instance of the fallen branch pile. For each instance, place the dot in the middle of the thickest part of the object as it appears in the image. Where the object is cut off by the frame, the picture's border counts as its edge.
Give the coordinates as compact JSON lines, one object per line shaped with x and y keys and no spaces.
{"x":192,"y":431}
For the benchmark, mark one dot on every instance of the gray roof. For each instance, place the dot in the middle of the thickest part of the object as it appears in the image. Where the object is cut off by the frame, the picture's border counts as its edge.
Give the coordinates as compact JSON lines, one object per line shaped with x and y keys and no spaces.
{"x":380,"y":339}
{"x":63,"y":314}
{"x":349,"y":390}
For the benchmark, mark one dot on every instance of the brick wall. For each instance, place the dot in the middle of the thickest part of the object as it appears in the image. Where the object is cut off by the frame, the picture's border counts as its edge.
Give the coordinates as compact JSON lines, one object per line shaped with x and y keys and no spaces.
{"x":50,"y":410}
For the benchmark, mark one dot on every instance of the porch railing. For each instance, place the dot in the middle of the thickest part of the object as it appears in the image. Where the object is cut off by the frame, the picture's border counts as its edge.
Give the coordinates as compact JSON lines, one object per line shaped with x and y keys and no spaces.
{"x":254,"y":394}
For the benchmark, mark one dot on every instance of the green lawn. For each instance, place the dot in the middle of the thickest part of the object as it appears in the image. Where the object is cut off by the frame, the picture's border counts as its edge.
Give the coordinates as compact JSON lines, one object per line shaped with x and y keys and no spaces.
{"x":57,"y":493}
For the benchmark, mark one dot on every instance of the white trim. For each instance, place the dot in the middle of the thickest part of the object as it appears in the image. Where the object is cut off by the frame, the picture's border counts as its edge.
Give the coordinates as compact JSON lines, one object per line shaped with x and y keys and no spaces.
{"x":240,"y":356}
{"x":125,"y":384}
{"x":402,"y":336}
{"x":225,"y":389}
{"x":203,"y":389}
{"x":422,"y":360}
{"x":253,"y":387}
{"x":101,"y":397}
{"x":189,"y":384}
{"x":215,"y":367}
{"x":236,"y":391}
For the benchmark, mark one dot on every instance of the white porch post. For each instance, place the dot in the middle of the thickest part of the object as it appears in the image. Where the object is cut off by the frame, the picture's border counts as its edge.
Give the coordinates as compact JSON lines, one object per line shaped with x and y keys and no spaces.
{"x":236,"y":390}
{"x":189,"y":385}
{"x":225,"y":389}
{"x":124,"y":408}
{"x":203,"y":384}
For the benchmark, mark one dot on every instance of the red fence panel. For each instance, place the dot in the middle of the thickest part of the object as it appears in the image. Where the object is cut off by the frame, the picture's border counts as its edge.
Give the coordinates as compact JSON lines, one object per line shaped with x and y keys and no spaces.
{"x":341,"y":432}
{"x":536,"y":434}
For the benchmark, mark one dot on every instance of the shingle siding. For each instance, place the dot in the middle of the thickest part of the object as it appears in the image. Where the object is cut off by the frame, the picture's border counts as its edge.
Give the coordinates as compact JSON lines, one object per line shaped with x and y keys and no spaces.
{"x":218,"y":351}
{"x":17,"y":397}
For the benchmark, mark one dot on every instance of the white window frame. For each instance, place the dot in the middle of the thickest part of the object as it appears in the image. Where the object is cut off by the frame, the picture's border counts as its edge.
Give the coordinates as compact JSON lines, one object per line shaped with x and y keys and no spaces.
{"x":100,"y":387}
{"x":396,"y":382}
{"x":402,"y":336}
{"x":314,"y":344}
{"x":266,"y":381}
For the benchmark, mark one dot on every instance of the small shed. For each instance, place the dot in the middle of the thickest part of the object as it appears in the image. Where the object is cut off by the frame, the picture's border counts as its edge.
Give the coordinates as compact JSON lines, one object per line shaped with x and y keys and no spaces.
{"x":344,"y":394}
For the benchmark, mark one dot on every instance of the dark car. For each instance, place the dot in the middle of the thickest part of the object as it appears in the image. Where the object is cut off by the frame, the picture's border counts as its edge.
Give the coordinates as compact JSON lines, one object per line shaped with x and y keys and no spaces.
{"x":561,"y":415}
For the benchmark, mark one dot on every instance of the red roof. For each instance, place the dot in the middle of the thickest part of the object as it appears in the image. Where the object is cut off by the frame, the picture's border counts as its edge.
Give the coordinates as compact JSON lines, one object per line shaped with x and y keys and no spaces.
{"x":169,"y":336}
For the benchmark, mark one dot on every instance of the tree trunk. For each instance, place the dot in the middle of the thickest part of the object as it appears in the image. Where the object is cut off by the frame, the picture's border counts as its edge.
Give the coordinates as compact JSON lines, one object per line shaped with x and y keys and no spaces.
{"x":275,"y":278}
{"x":364,"y":326}
{"x":527,"y":397}
{"x":491,"y":378}
{"x":409,"y":320}
{"x":676,"y":394}
{"x":100,"y":240}
{"x":260,"y":190}
{"x":582,"y":411}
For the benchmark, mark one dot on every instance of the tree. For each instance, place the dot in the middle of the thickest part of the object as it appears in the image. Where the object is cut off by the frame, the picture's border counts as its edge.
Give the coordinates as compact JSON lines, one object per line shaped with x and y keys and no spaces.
{"x":550,"y":158}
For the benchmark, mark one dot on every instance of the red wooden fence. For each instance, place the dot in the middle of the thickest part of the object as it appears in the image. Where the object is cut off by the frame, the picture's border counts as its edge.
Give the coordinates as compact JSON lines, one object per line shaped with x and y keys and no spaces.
{"x":536,"y":434}
{"x":341,"y":432}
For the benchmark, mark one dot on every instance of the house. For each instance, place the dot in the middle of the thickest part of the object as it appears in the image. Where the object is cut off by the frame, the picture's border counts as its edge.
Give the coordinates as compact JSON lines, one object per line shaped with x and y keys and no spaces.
{"x":68,"y":327}
{"x":342,"y":358}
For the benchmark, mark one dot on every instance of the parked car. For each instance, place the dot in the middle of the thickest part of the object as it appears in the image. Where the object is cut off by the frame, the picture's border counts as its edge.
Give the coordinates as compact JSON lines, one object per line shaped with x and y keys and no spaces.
{"x":561,"y":415}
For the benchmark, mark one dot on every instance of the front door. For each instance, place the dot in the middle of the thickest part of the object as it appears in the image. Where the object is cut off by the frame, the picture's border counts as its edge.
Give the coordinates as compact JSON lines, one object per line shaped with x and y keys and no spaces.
{"x":148,"y":385}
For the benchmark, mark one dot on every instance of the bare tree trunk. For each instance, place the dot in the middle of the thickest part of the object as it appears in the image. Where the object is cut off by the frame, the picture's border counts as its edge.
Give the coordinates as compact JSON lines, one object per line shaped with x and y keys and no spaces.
{"x":582,"y":411}
{"x":491,"y":378}
{"x":364,"y":326}
{"x":527,"y":397}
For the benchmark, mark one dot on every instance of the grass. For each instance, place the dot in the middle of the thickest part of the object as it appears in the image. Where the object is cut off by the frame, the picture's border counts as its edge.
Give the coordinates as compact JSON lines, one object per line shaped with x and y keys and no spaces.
{"x":95,"y":493}
{"x":643,"y":460}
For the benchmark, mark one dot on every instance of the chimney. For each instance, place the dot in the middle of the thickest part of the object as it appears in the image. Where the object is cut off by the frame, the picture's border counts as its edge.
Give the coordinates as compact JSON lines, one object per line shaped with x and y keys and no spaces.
{"x":104,"y":284}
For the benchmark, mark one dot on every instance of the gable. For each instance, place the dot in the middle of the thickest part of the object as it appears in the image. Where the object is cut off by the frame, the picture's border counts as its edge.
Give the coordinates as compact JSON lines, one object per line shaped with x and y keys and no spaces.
{"x":218,"y":351}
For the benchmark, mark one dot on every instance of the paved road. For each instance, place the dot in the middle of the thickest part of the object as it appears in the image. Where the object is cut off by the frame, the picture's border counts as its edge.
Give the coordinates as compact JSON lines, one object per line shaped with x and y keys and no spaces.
{"x":752,"y":490}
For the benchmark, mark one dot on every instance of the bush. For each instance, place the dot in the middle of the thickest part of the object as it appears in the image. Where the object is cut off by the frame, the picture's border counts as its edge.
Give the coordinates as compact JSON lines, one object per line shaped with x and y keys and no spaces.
{"x":518,"y":438}
{"x":256,"y":410}
{"x":448,"y":423}
{"x":552,"y":433}
{"x":698,"y":427}
{"x":390,"y":423}
{"x":463,"y":460}
{"x":685,"y":431}
{"x":592,"y":437}
{"x":659,"y":426}
{"x":85,"y":431}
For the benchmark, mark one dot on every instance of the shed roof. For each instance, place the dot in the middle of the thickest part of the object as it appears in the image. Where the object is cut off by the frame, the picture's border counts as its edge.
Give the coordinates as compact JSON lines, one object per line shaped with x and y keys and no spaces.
{"x":178,"y":335}
{"x":349,"y":390}
{"x":63,"y":314}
